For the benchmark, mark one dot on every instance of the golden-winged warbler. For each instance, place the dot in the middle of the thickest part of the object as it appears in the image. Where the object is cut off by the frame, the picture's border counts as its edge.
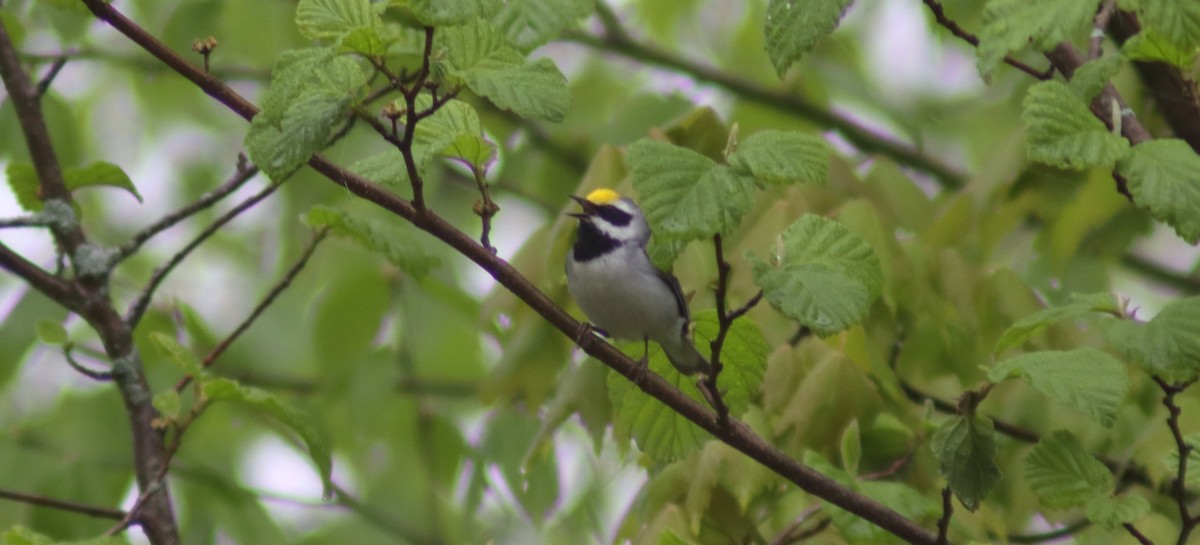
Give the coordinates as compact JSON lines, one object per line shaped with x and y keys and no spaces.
{"x":612,"y":279}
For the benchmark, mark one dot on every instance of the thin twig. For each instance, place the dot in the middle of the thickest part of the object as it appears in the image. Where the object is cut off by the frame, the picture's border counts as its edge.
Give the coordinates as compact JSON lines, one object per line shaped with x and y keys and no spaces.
{"x":32,"y":220}
{"x":485,"y":208}
{"x":943,"y":524}
{"x":243,"y":174}
{"x":261,"y":307}
{"x":63,"y":505}
{"x":43,"y":85}
{"x":1137,"y":534}
{"x":94,"y":375}
{"x":1187,"y":522}
{"x":939,"y":14}
{"x":1103,"y":14}
{"x":138,"y":307}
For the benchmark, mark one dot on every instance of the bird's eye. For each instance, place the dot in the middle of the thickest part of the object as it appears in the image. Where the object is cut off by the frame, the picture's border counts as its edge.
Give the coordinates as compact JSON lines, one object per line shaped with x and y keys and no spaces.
{"x":614,"y":215}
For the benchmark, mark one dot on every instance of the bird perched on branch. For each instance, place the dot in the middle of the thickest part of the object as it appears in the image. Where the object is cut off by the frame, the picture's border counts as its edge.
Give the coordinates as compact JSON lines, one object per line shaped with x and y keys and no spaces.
{"x":612,"y":279}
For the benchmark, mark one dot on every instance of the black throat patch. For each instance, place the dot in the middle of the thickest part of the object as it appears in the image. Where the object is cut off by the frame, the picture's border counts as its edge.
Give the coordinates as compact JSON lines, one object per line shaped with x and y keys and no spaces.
{"x":591,"y":243}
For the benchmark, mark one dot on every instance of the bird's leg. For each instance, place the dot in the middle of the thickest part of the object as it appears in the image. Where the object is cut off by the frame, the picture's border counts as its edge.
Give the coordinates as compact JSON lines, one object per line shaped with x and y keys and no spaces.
{"x":585,"y":329}
{"x":643,"y":363}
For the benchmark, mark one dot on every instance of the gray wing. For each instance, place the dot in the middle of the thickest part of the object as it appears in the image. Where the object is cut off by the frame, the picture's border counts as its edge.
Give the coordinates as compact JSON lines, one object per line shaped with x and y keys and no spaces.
{"x":680,"y":303}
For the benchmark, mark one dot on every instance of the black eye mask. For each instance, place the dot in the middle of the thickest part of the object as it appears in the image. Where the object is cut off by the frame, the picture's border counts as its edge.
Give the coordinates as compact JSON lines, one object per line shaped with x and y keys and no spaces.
{"x":614,"y":215}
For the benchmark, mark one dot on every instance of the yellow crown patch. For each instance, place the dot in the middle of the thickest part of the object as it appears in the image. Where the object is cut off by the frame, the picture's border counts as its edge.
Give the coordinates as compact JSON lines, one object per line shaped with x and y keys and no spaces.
{"x":603,"y":195}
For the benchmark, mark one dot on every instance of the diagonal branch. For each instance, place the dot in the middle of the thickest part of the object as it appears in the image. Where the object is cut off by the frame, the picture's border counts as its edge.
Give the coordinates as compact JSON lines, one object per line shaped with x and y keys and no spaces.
{"x":138,"y":307}
{"x":939,"y":15}
{"x":616,"y":40}
{"x":241,"y":176}
{"x":63,"y":505}
{"x":52,"y":286}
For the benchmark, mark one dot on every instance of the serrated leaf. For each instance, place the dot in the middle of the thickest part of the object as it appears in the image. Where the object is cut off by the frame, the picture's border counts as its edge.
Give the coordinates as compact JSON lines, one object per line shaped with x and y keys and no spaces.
{"x":527,"y":24}
{"x":1148,"y":45}
{"x":181,"y":356}
{"x":23,"y":181}
{"x":453,"y":131}
{"x":1164,"y":177}
{"x":1063,"y":474}
{"x":476,"y":54}
{"x":51,"y":332}
{"x":1177,"y":21}
{"x":448,"y":13}
{"x":1089,"y":380}
{"x":1166,"y":346}
{"x":821,"y":275}
{"x":1010,"y":25}
{"x":311,"y":91}
{"x":685,"y":195}
{"x":167,"y":403}
{"x":1111,"y":513}
{"x":333,"y":19}
{"x":1089,"y":79}
{"x":366,"y":41}
{"x":782,"y":157}
{"x":398,"y":245}
{"x":1030,"y":326}
{"x":965,"y":447}
{"x":387,"y":169}
{"x":222,"y":389}
{"x":664,"y":434}
{"x":793,"y":28}
{"x":851,"y":448}
{"x":1062,"y":131}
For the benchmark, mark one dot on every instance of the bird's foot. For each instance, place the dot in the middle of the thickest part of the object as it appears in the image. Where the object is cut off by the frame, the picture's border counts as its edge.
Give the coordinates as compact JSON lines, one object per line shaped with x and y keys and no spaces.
{"x":585,"y":329}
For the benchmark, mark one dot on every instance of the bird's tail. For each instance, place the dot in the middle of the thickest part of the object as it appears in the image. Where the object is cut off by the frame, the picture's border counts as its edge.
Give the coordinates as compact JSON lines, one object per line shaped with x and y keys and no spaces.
{"x":683,"y":355}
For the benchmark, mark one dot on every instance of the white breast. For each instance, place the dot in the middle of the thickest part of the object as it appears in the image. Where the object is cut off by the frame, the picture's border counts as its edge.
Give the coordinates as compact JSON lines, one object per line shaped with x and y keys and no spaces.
{"x":622,"y":294}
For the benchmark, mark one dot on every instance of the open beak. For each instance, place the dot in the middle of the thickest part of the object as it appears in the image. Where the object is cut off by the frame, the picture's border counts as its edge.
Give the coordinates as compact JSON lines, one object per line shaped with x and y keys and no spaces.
{"x":589,"y":208}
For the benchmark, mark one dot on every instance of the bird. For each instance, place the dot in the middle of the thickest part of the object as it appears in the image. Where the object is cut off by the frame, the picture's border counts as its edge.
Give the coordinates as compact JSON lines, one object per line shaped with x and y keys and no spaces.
{"x":610,"y":276}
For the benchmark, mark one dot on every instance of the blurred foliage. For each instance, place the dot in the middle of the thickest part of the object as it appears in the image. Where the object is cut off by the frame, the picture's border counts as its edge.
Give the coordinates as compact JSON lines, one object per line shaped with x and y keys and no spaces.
{"x":924,"y":222}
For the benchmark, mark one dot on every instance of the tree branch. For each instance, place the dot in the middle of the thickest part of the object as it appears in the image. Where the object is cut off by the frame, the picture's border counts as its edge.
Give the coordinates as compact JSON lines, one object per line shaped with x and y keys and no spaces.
{"x":51,"y":286}
{"x":139,"y":305}
{"x":283,"y":284}
{"x":943,"y":524}
{"x":736,"y":434}
{"x":1187,"y":522}
{"x":939,"y":15}
{"x":243,"y":174}
{"x":63,"y":505}
{"x":615,"y":40}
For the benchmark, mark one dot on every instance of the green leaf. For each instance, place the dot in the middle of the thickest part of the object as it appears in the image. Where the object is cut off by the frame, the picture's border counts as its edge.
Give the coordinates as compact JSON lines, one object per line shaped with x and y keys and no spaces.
{"x":665,"y":435}
{"x":1175,"y":20}
{"x":222,"y":389}
{"x":179,"y":355}
{"x":793,"y":28}
{"x":23,"y":180}
{"x":1164,"y":177}
{"x":965,"y":447}
{"x":333,"y":19}
{"x":527,"y":24}
{"x":1062,"y":131}
{"x":398,"y":245}
{"x":1062,"y":474}
{"x":99,"y":174}
{"x":1168,"y":345}
{"x":1149,"y":45}
{"x":453,"y":131}
{"x":1090,"y":79}
{"x":51,"y":332}
{"x":1030,"y":326}
{"x":779,"y":157}
{"x":448,"y":13}
{"x":686,"y":195}
{"x":479,"y":56}
{"x":1009,"y":25}
{"x":311,"y":91}
{"x":366,"y":41}
{"x":1193,"y":463}
{"x":821,"y":275}
{"x":1110,"y":513}
{"x":167,"y":403}
{"x":387,"y":169}
{"x":1089,"y":380}
{"x":851,"y":448}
